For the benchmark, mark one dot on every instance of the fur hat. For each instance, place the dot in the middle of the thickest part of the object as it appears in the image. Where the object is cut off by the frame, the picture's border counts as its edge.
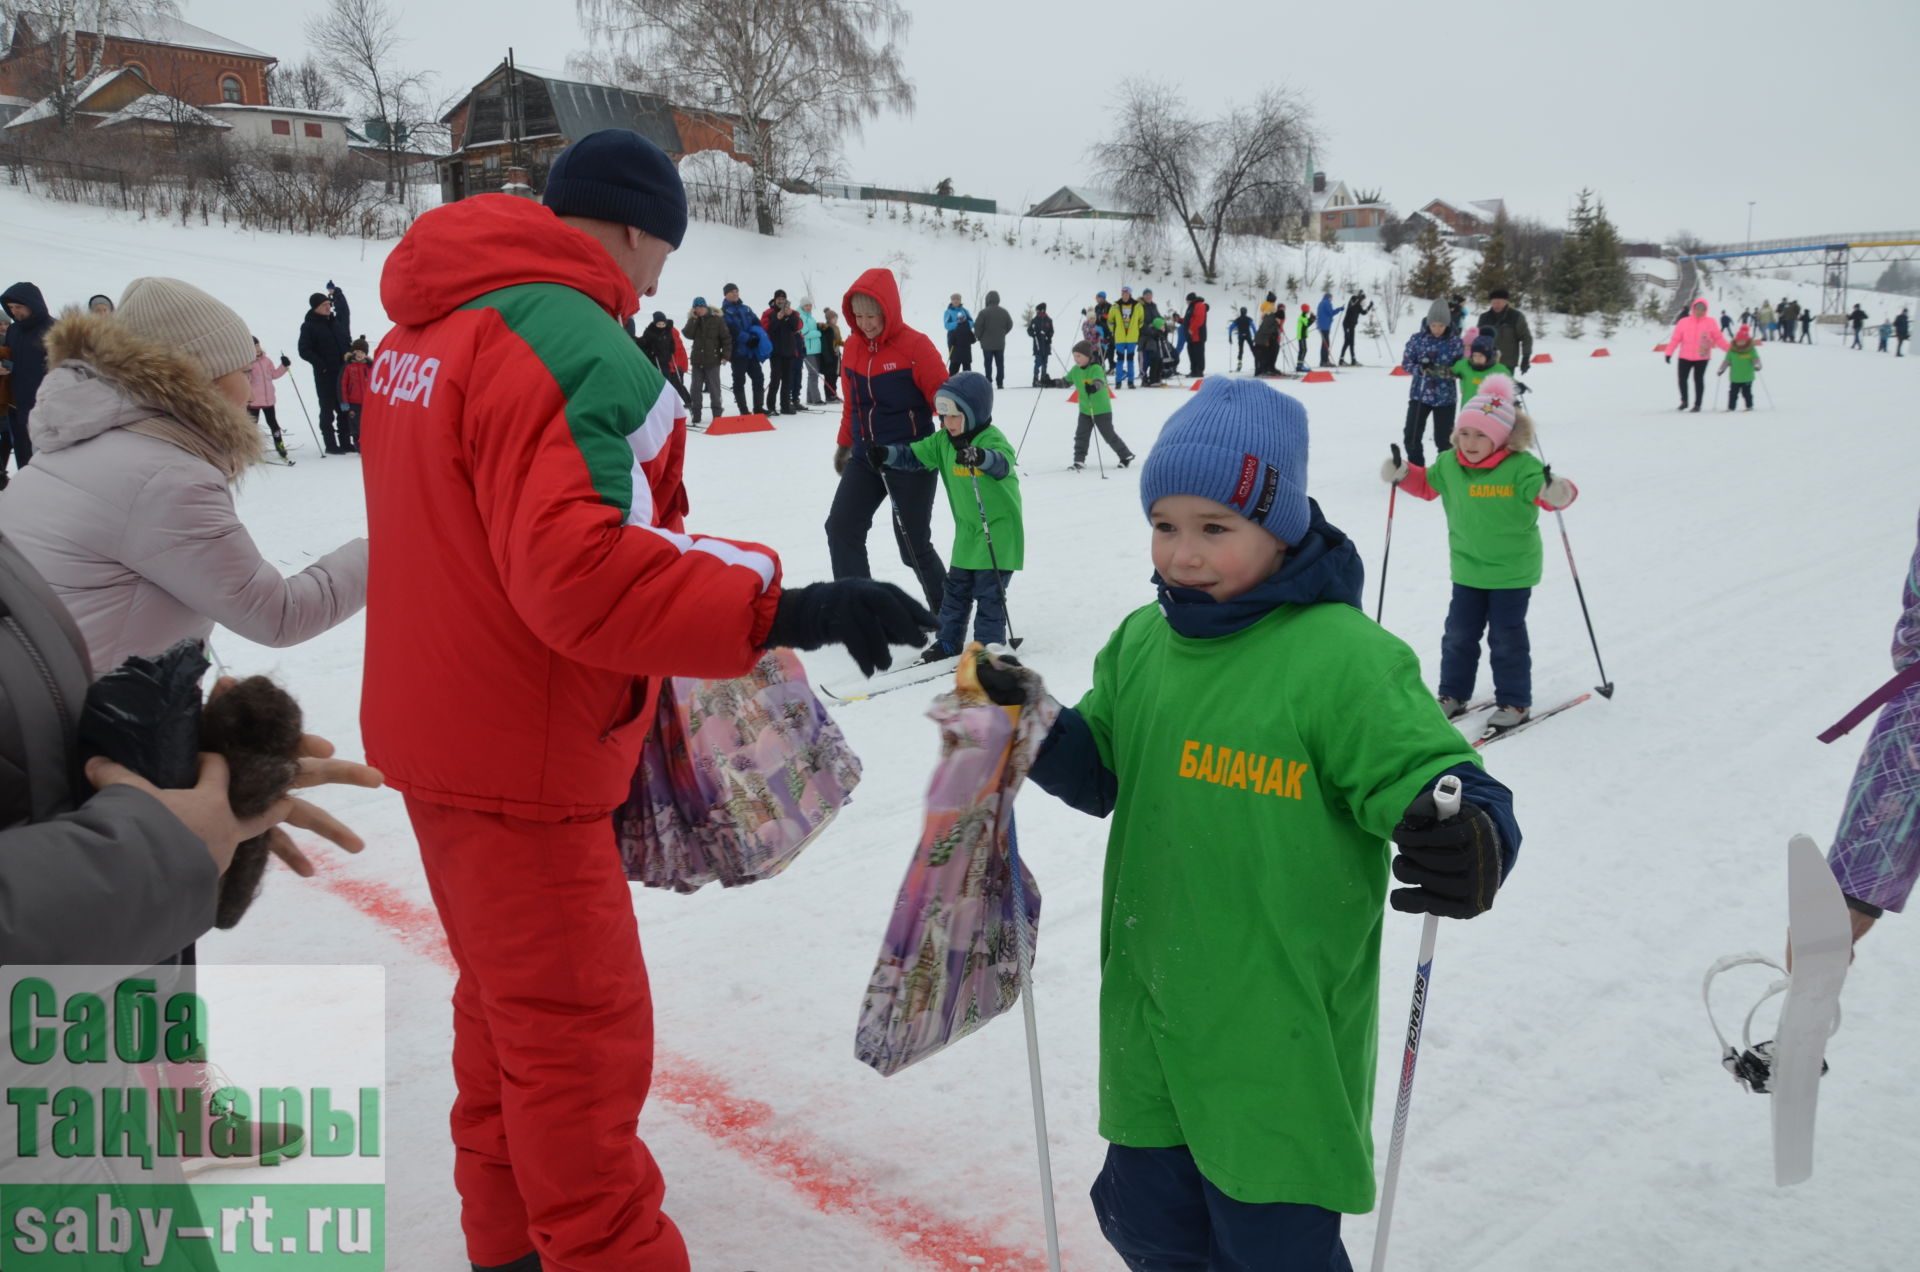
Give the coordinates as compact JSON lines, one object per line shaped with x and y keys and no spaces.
{"x":1492,"y":410}
{"x":181,"y":316}
{"x":969,"y":394}
{"x":1238,"y":443}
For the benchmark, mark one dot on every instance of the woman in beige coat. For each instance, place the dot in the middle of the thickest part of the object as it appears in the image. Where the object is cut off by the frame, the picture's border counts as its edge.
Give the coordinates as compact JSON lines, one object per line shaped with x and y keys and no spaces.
{"x":141,"y":432}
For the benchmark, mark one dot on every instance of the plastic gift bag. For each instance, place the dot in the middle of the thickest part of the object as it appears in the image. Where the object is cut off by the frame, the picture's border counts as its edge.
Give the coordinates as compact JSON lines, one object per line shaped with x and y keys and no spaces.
{"x":968,"y":908}
{"x":736,"y":777}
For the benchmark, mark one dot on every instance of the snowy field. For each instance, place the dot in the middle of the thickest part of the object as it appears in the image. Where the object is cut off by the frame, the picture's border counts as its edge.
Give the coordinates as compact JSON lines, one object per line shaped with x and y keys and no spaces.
{"x":1571,"y":1112}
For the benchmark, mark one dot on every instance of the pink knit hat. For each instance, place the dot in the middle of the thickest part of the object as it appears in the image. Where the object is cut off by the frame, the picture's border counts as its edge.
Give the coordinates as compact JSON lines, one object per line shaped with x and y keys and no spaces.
{"x":1491,"y":410}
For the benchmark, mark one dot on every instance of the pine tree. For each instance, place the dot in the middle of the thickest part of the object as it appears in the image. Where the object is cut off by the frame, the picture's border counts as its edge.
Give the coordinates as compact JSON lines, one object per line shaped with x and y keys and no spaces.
{"x":1433,"y":276}
{"x":1496,"y":268}
{"x":1609,"y":285}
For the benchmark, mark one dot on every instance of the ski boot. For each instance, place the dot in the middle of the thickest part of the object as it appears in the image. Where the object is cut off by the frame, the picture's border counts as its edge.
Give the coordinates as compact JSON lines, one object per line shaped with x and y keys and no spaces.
{"x":1504,"y":718}
{"x":1453,"y":707}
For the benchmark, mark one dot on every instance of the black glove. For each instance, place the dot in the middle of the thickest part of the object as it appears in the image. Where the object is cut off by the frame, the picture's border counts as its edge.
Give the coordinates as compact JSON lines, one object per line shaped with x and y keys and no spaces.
{"x":840,"y":457}
{"x":1001,"y":680}
{"x":1526,"y":365}
{"x":971,"y":456}
{"x":861,"y":614}
{"x":876,"y":457}
{"x":285,"y":361}
{"x":1429,"y":368}
{"x":1454,"y":864}
{"x":1669,"y":359}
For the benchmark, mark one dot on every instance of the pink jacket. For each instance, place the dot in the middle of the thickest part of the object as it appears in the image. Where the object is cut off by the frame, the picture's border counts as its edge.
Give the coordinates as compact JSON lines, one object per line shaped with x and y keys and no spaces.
{"x":1696,"y":336}
{"x":261,"y":374}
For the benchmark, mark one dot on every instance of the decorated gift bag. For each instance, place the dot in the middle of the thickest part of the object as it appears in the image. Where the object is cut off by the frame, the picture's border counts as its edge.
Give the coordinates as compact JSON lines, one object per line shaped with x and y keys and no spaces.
{"x":965,"y":920}
{"x":736,"y":777}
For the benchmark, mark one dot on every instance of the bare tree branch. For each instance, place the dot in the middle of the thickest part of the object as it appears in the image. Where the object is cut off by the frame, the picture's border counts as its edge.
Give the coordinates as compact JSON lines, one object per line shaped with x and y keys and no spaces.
{"x":790,"y":79}
{"x":358,"y":44}
{"x":69,"y":67}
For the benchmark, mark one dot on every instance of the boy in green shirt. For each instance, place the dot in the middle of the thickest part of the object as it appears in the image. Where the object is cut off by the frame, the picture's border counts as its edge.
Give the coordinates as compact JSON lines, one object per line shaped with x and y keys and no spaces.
{"x":1482,"y":360}
{"x":1492,"y":490}
{"x":989,"y":542}
{"x":1740,"y":364}
{"x":1257,"y":740}
{"x":1096,"y":406}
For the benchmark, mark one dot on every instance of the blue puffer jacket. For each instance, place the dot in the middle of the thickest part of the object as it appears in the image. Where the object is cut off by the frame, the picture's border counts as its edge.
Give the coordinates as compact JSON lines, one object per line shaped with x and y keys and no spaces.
{"x":1439,"y":353}
{"x":1326,"y":312}
{"x":742,"y":322}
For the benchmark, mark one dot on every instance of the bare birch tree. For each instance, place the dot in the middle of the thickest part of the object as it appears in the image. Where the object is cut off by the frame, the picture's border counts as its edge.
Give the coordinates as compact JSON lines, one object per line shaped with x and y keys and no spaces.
{"x":358,"y":45}
{"x":73,"y":62}
{"x":304,"y":84}
{"x":1239,"y":173}
{"x":789,"y":79}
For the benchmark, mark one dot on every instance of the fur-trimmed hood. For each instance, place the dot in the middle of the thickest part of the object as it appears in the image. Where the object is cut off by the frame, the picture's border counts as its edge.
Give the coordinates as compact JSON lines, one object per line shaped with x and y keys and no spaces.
{"x":102,"y":376}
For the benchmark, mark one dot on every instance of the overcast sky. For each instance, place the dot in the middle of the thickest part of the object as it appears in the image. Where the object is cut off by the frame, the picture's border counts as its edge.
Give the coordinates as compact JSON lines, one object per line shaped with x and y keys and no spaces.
{"x":1678,"y":114}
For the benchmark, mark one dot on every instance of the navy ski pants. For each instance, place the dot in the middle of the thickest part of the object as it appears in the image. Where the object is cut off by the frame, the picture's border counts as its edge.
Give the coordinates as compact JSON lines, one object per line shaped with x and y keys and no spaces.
{"x":1502,"y":614}
{"x":966,"y":590}
{"x":1162,"y":1215}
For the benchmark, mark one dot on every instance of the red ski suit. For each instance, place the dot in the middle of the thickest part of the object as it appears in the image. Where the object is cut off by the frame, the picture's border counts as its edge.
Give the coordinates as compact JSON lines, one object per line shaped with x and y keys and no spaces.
{"x":529,"y":577}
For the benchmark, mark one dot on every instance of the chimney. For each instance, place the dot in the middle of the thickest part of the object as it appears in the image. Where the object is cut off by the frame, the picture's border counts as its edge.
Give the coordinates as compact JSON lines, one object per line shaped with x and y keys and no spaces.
{"x":1319,"y":183}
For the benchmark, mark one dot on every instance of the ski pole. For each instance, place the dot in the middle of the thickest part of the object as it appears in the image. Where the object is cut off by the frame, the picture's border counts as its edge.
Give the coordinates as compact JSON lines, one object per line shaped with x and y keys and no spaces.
{"x":986,"y":532}
{"x":301,"y":399}
{"x":1764,"y":388}
{"x":1386,"y":553}
{"x":1023,"y":944}
{"x":1029,"y":427}
{"x":1605,"y":687}
{"x":1446,"y":802}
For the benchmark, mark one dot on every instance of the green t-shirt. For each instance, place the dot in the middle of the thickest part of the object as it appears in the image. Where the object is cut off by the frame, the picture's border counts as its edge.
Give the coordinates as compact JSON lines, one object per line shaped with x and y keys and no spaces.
{"x":1096,"y":398}
{"x":1493,"y":525}
{"x":1470,"y":377}
{"x":1001,"y":497}
{"x":1741,"y":364}
{"x":1260,"y":776}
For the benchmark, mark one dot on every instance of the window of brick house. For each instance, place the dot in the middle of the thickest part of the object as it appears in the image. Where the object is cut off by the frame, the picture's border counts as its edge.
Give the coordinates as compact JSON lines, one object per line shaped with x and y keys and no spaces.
{"x":283,"y":128}
{"x":1348,"y":220}
{"x":230,"y":90}
{"x":315,"y":131}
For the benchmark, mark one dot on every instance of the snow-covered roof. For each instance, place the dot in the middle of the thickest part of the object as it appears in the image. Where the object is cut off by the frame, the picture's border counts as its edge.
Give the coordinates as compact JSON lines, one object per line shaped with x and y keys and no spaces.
{"x":224,"y":107}
{"x":161,"y":29}
{"x":44,"y":108}
{"x":158,"y":108}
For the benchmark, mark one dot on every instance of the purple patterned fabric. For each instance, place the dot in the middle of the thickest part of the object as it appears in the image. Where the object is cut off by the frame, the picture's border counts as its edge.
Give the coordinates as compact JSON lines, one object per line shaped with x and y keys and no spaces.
{"x":951,"y":960}
{"x":735,"y":779}
{"x":1876,"y":852}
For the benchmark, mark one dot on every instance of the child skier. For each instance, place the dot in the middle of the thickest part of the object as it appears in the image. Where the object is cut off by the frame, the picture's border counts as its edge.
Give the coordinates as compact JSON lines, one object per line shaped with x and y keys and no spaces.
{"x":1096,"y":406}
{"x":353,"y":394}
{"x":1739,"y":366}
{"x":1257,"y":740}
{"x":1482,"y":360}
{"x":261,"y":373}
{"x":1240,"y":332}
{"x":1431,"y":356}
{"x":1492,"y":491}
{"x":1040,"y":329}
{"x":1306,"y":325}
{"x":984,"y":557}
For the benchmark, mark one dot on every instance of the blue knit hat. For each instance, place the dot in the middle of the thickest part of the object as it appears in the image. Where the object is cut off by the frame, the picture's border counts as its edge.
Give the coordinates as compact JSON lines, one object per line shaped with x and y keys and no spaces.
{"x":973,"y":394}
{"x":617,"y":175}
{"x":1238,"y":443}
{"x":699,"y":302}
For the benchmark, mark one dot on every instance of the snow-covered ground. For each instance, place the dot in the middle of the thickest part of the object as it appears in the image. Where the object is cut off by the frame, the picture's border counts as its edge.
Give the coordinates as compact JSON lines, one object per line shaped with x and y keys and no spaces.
{"x":1743,"y":573}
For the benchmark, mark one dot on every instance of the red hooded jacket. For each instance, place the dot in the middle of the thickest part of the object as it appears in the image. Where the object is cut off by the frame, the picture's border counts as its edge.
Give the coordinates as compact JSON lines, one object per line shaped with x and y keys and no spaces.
{"x":528,"y":569}
{"x":888,"y":383}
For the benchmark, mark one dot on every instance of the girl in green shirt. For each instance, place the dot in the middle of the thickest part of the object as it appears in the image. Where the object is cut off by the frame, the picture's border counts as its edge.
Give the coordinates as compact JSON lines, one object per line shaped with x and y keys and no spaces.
{"x":1492,"y":490}
{"x":1482,"y":360}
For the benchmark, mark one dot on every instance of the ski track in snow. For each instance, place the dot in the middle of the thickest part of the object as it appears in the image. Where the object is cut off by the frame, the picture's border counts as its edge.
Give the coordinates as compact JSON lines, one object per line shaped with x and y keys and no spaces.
{"x":1570,"y":1111}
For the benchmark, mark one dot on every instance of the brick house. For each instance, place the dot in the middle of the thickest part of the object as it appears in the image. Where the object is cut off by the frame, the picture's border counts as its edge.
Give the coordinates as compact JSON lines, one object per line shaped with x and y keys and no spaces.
{"x":122,"y":103}
{"x":522,"y":117}
{"x":1336,"y":214}
{"x":175,"y":58}
{"x":1465,"y":218}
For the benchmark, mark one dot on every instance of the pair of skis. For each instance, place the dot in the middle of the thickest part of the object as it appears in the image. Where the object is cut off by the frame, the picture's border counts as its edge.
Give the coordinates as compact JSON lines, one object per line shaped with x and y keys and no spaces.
{"x":907,"y":677}
{"x":1488,"y":733}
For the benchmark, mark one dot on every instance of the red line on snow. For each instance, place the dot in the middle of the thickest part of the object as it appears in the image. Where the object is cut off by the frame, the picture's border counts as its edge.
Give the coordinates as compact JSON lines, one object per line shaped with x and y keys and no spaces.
{"x":740,"y":1124}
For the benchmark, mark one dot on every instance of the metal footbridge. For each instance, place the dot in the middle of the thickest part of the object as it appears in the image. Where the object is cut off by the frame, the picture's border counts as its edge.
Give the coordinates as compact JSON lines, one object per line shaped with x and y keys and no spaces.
{"x":1834,"y":254}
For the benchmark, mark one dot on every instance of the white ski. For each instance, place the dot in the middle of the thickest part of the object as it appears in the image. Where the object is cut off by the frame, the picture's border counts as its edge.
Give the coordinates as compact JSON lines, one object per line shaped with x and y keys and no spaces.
{"x":1821,"y":937}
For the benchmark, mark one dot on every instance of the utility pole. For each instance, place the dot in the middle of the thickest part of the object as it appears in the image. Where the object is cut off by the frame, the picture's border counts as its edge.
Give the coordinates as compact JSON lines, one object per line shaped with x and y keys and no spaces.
{"x":1750,"y":203}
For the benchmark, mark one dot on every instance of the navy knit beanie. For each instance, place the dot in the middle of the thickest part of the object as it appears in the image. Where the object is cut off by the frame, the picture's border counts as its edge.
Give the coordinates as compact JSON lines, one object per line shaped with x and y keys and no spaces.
{"x":973,"y":394}
{"x":617,"y":175}
{"x":1238,"y":443}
